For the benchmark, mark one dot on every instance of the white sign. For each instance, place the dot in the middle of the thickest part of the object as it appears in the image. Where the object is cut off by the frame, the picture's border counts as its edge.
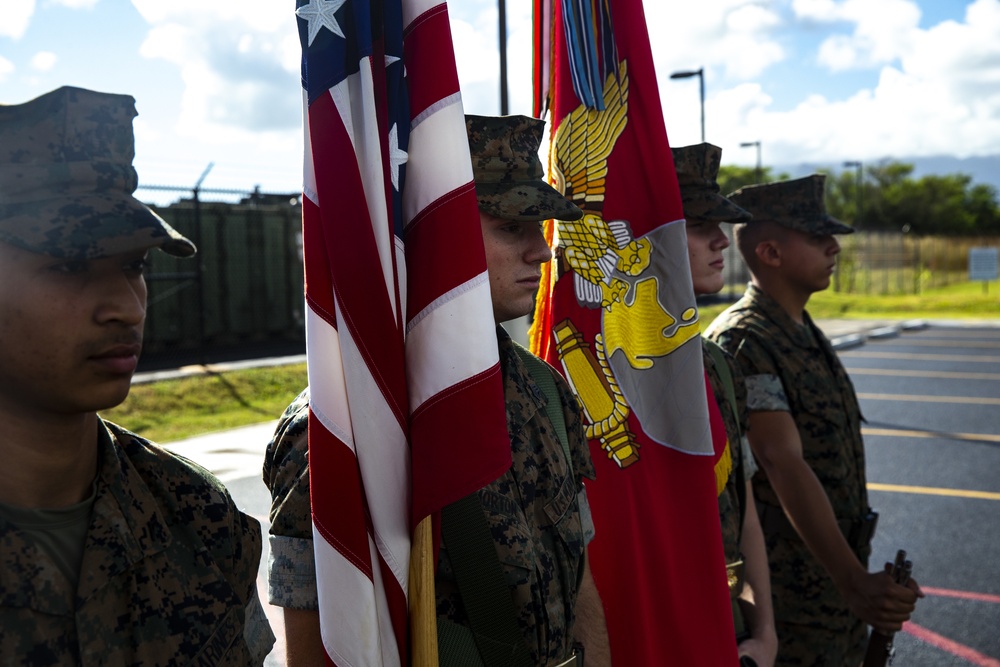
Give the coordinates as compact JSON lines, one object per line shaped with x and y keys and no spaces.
{"x":984,"y":263}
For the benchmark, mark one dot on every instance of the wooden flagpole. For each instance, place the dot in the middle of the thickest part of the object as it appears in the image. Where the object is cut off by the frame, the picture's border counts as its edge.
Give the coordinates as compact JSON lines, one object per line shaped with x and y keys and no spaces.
{"x":423,"y":610}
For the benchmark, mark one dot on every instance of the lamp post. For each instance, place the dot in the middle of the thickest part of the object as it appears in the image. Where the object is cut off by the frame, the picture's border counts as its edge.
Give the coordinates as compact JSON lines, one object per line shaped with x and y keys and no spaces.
{"x":859,"y":190}
{"x":700,"y":73}
{"x":502,"y":10}
{"x":759,"y":170}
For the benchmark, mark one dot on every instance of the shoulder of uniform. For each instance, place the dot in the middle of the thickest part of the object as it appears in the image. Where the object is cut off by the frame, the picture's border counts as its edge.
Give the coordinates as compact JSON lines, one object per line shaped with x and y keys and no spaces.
{"x":173,"y":478}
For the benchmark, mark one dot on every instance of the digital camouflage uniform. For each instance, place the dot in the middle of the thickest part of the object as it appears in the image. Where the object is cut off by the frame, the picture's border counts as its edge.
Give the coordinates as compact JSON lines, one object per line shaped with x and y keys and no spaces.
{"x":533,"y":510}
{"x":168,"y":575}
{"x":791,"y":367}
{"x":169,"y":564}
{"x":697,"y":169}
{"x":66,"y":178}
{"x":730,"y":514}
{"x":510,"y":180}
{"x":291,"y":569}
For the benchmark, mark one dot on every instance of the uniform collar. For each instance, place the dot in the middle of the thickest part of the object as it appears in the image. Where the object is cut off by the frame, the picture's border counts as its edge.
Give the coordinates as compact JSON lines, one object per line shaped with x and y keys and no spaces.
{"x":800,"y":334}
{"x":521,"y":395}
{"x":127,"y":524}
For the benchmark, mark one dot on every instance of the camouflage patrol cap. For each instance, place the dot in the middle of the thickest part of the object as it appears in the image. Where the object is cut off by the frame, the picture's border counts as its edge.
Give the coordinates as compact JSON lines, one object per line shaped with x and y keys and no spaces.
{"x":507,"y":171}
{"x":697,"y":170}
{"x":66,"y":178}
{"x":795,"y":204}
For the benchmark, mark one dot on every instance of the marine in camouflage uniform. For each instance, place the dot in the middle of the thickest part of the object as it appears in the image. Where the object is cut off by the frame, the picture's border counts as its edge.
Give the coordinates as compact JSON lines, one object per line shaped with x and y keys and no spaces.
{"x":291,"y":568}
{"x":790,"y":367}
{"x":537,"y":511}
{"x":147,"y":562}
{"x":697,"y":168}
{"x":533,"y":511}
{"x":730,"y":499}
{"x":705,"y":210}
{"x":169,"y":572}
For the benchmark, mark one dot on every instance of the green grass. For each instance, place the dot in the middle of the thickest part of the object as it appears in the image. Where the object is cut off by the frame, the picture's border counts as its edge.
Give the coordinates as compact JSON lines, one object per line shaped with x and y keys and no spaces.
{"x":964,"y":300}
{"x":175,"y":409}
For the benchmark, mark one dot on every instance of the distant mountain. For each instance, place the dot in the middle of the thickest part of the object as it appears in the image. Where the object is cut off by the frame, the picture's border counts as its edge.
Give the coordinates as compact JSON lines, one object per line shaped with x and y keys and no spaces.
{"x":982,"y":169}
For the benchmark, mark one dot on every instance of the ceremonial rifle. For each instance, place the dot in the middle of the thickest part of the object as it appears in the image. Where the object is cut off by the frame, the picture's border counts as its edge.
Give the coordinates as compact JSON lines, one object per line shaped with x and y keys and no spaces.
{"x":880,"y":650}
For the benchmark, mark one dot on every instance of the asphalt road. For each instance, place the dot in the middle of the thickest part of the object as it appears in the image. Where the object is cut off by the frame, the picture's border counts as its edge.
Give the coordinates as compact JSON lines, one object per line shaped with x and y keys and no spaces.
{"x":931,"y":398}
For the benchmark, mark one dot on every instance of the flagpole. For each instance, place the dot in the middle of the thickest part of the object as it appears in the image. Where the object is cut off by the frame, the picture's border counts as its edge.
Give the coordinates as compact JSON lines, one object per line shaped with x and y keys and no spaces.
{"x":423,"y":611}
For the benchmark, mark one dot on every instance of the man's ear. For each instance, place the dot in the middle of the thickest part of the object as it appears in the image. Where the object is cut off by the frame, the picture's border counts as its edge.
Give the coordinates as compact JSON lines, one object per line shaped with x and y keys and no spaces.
{"x":768,"y":253}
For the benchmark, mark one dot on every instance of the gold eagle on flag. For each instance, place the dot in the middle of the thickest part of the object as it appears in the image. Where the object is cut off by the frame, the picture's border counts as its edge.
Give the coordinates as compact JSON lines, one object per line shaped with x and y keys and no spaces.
{"x":607,"y":263}
{"x":592,"y":246}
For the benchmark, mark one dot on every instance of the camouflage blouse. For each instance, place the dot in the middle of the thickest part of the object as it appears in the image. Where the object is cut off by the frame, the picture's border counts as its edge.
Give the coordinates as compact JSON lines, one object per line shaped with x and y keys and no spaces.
{"x":730,"y":514}
{"x":792,"y":367}
{"x":536,"y":511}
{"x":168,"y":575}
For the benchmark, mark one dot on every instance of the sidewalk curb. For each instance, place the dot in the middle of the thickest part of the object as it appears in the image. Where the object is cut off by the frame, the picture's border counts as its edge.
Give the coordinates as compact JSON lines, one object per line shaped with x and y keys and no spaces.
{"x":206,"y":369}
{"x":889,"y":331}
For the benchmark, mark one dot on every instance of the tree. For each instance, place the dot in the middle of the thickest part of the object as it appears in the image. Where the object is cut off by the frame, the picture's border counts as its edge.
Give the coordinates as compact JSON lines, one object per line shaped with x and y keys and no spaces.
{"x":732,"y":178}
{"x":891,"y":200}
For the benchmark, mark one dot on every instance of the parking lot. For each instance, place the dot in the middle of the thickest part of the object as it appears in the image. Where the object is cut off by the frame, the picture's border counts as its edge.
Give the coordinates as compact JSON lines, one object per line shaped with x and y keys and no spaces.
{"x":931,"y":398}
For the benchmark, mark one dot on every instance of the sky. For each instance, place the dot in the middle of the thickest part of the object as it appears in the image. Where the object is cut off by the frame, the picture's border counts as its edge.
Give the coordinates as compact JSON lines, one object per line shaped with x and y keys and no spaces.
{"x":216,"y":82}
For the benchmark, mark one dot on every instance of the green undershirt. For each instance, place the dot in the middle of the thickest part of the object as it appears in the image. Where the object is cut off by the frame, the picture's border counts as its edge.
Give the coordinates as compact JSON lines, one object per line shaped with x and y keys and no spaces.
{"x":60,"y":533}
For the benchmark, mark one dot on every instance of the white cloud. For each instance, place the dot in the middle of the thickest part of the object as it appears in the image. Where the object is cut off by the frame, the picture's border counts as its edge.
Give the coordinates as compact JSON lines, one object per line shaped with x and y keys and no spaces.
{"x":43,"y":61}
{"x":6,"y":67}
{"x":883,"y":30}
{"x":475,"y":34}
{"x":735,"y":38}
{"x":239,"y":61}
{"x":75,"y":4}
{"x":16,"y":17}
{"x":926,"y":90}
{"x":937,"y":90}
{"x":817,"y":10}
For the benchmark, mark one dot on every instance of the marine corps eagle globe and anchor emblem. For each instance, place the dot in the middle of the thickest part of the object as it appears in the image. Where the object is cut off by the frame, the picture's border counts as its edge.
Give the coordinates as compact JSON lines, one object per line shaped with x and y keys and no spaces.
{"x":609,"y":268}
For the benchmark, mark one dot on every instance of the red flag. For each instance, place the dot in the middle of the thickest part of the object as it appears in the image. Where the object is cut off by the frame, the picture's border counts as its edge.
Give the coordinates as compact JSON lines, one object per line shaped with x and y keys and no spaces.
{"x":402,"y":357}
{"x":620,"y":320}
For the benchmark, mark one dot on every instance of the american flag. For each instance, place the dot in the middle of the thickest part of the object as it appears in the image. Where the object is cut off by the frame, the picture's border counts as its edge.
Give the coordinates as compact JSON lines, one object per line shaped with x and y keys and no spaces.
{"x":406,"y":398}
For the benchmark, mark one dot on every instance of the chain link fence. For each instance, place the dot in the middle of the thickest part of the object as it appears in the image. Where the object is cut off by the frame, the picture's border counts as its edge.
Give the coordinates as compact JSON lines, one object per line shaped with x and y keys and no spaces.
{"x":241,"y":296}
{"x":883,"y":263}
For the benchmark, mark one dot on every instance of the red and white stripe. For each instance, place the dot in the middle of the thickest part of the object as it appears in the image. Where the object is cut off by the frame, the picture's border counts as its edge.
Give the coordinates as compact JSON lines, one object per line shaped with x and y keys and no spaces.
{"x":402,"y":355}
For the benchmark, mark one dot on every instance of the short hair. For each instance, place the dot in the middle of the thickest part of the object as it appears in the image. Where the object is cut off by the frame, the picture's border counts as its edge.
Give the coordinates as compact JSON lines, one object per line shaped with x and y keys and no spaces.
{"x":752,"y":234}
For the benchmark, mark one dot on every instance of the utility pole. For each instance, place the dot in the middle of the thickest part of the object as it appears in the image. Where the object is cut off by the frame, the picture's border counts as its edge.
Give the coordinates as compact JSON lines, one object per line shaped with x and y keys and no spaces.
{"x":502,"y":7}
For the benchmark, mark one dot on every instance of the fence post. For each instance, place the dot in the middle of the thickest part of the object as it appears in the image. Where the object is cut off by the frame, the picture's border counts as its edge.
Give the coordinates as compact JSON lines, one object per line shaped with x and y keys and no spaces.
{"x":200,"y":269}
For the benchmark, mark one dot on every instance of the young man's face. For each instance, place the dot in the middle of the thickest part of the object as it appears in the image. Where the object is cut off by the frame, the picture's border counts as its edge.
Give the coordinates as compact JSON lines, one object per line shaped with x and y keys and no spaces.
{"x":705,"y":242}
{"x":807,"y":260}
{"x":70,"y":330}
{"x":515,"y":252}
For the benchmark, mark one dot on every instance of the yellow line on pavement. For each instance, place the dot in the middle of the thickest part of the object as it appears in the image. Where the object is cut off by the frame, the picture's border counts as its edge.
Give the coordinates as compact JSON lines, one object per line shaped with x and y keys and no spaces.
{"x":902,"y":433}
{"x":965,"y":344}
{"x":979,"y":359}
{"x":989,"y":332}
{"x":965,"y":400}
{"x":950,"y":375}
{"x":932,"y":491}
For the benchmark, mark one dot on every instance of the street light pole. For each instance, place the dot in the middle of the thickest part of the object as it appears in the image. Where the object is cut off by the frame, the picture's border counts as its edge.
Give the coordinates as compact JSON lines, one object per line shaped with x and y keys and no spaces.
{"x":502,"y":10}
{"x":700,"y":73}
{"x":858,"y":188}
{"x":759,"y":170}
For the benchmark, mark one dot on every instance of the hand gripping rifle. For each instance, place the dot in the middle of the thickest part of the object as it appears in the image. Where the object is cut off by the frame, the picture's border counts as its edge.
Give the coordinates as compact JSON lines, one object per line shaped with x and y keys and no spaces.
{"x":880,"y":650}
